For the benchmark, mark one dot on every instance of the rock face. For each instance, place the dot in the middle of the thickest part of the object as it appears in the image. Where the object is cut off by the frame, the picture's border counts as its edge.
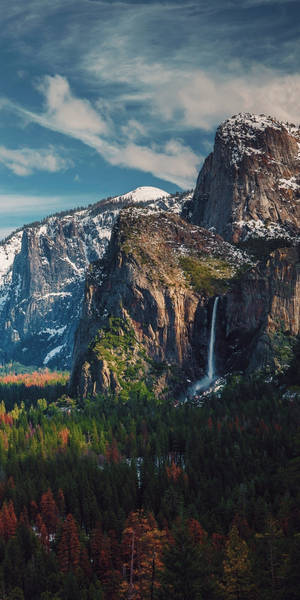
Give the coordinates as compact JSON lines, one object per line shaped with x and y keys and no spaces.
{"x":148,"y":307}
{"x":164,"y":272}
{"x":148,"y":303}
{"x":42,"y":275}
{"x":250,"y":185}
{"x":261,"y":314}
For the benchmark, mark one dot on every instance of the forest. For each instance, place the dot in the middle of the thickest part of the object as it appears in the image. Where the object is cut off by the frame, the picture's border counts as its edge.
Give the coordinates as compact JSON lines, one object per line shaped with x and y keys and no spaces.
{"x":149,"y":498}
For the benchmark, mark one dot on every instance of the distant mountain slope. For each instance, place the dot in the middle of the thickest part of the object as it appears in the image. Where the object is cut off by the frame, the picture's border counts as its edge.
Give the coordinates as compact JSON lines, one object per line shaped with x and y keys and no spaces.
{"x":42,"y":273}
{"x":249,"y":185}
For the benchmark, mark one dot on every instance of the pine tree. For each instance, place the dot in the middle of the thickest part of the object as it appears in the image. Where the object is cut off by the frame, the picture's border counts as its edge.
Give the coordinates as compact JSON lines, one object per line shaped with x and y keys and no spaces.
{"x":44,"y":536}
{"x":237,"y":581}
{"x":181,"y":574}
{"x":69,"y":546}
{"x":142,"y":544}
{"x":49,"y":511}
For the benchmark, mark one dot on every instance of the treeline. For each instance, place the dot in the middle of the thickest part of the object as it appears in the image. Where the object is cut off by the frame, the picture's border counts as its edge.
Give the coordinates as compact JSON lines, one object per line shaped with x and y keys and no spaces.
{"x":148,"y":500}
{"x":28,"y":387}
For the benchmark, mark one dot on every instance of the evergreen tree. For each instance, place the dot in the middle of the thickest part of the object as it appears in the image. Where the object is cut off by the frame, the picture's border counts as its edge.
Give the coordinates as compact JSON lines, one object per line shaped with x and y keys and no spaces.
{"x":237,"y":581}
{"x":181,"y":574}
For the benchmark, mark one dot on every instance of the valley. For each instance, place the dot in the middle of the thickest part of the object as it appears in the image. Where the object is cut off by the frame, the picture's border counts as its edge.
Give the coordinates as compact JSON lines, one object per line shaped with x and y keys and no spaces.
{"x":149,"y":387}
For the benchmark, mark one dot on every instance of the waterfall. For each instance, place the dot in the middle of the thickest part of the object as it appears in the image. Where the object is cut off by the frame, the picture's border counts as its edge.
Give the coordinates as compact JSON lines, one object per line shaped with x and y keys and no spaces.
{"x":211,"y":356}
{"x":206,"y":381}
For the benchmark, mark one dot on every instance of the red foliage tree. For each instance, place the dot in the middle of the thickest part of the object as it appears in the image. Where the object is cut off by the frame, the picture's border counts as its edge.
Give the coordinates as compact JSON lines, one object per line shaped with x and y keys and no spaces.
{"x":112,"y":453}
{"x":44,"y":536}
{"x":197,"y":532}
{"x":9,"y":520}
{"x":69,"y":546}
{"x":49,"y":511}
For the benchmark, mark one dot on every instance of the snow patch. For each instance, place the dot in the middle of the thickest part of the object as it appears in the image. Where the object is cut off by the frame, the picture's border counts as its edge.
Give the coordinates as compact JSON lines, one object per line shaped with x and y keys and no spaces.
{"x":241,"y":133}
{"x":144,"y":193}
{"x":258,"y":229}
{"x":53,"y":332}
{"x":8,"y":251}
{"x":289,"y":184}
{"x":52,"y":353}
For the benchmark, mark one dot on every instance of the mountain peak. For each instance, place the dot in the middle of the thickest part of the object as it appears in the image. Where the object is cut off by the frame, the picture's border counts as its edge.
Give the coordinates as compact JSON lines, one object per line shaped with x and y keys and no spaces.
{"x":144,"y":193}
{"x":250,"y":185}
{"x":245,"y":134}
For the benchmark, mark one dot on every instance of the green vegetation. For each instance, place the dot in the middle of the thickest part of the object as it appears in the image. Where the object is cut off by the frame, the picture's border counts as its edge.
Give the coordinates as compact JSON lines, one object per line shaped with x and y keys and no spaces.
{"x":22,"y":385}
{"x":15,"y":368}
{"x":282,"y":345}
{"x":112,"y":343}
{"x":212,"y":493}
{"x":206,"y":274}
{"x":132,"y":495}
{"x":125,"y":357}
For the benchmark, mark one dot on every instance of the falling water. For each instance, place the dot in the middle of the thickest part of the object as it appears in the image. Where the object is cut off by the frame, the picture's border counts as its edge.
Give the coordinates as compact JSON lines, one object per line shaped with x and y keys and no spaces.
{"x":205,"y":382}
{"x":211,"y":355}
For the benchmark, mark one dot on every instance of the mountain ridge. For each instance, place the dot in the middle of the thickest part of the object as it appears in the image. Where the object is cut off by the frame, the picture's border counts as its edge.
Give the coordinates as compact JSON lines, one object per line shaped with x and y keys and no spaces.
{"x":42,"y":273}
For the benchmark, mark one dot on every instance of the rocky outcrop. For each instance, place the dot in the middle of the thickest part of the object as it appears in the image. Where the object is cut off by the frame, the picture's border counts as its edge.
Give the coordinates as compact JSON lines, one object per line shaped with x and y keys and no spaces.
{"x":261,"y":314}
{"x":148,"y":303}
{"x":42,"y":275}
{"x":250,"y":185}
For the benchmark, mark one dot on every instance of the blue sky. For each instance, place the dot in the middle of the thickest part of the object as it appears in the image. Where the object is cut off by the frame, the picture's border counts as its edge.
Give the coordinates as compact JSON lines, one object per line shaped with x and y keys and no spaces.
{"x":98,"y":97}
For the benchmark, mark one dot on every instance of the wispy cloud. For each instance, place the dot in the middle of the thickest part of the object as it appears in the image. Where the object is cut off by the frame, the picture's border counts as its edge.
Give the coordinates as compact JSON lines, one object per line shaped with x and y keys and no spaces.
{"x":134,"y":79}
{"x":200,"y":102}
{"x":26,"y":161}
{"x":184,"y":99}
{"x":175,"y":162}
{"x":67,"y":114}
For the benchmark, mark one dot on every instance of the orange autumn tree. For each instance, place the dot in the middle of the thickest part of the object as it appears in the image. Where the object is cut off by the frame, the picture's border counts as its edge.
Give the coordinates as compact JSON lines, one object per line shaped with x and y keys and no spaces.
{"x":8,"y":520}
{"x":49,"y":511}
{"x":142,"y":545}
{"x":105,"y":556}
{"x":69,"y":546}
{"x":44,"y":535}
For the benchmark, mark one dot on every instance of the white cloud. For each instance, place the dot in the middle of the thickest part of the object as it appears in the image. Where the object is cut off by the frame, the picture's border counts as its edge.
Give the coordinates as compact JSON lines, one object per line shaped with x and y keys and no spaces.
{"x":24,"y":207}
{"x":174,"y":162}
{"x":5,"y":231}
{"x":66,"y":112}
{"x":207,"y":100}
{"x":17,"y":203}
{"x":78,"y":119}
{"x":193,"y":98}
{"x":179,"y":100}
{"x":159,"y":68}
{"x":25,"y":161}
{"x":17,"y":209}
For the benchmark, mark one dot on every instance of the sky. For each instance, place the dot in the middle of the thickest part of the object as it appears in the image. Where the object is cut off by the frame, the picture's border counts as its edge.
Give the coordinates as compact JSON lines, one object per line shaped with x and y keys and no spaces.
{"x":100,"y":97}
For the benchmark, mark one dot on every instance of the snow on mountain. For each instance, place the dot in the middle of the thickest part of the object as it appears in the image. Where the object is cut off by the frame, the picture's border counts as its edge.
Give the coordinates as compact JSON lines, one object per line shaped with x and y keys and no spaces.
{"x":244,"y":134}
{"x":249,"y":186}
{"x":144,"y":193}
{"x":42,"y":273}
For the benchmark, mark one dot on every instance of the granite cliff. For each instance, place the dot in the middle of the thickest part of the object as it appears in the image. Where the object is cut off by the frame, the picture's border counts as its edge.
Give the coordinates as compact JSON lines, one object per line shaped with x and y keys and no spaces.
{"x":148,"y":303}
{"x":141,"y":302}
{"x":42,"y":274}
{"x":249,"y":185}
{"x":260,"y":315}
